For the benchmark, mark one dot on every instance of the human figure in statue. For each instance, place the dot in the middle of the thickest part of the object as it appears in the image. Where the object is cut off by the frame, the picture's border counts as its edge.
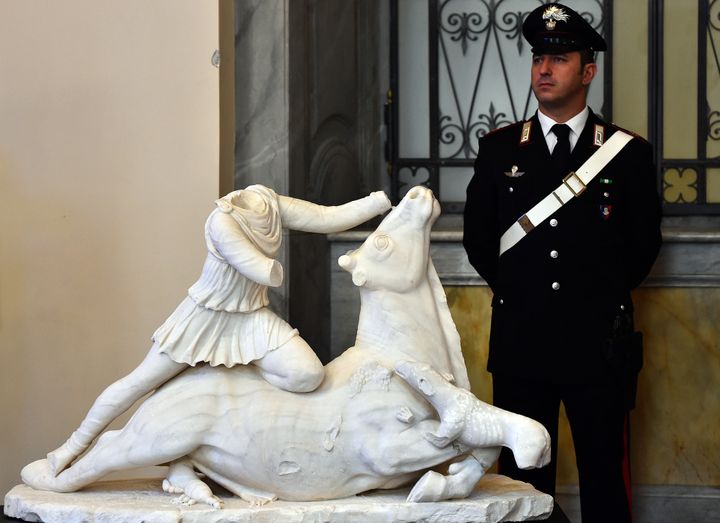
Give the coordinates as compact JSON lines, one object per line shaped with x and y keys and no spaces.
{"x":562,"y":243}
{"x":225,"y":319}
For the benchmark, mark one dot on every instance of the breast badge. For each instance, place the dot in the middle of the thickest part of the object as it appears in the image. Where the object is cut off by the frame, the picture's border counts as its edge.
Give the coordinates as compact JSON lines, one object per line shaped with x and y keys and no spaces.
{"x":605,"y":211}
{"x":514,"y":173}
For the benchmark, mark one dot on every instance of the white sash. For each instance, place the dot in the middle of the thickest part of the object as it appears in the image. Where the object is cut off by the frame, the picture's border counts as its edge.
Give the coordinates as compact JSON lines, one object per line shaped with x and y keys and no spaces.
{"x":573,"y":185}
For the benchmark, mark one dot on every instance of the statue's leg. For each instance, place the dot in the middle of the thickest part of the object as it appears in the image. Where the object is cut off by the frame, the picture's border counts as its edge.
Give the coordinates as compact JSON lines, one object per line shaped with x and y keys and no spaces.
{"x":293,"y":366}
{"x":481,"y":425}
{"x":461,"y":479}
{"x":254,"y":496}
{"x":142,"y":442}
{"x":182,"y":479}
{"x":475,"y":423}
{"x":409,"y":451}
{"x":413,"y":450}
{"x":528,"y":440}
{"x":154,"y":370}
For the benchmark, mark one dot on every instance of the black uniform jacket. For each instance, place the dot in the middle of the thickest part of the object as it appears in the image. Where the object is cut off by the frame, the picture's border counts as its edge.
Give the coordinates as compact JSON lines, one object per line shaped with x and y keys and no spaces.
{"x":557,"y":291}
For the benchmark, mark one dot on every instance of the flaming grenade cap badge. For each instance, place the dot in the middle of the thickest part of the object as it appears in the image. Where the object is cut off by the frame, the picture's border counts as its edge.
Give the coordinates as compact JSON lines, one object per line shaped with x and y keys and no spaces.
{"x":552,"y":15}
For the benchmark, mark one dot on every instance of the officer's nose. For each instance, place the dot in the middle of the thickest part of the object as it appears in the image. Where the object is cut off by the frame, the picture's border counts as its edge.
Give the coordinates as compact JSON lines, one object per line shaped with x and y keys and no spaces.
{"x":544,"y":67}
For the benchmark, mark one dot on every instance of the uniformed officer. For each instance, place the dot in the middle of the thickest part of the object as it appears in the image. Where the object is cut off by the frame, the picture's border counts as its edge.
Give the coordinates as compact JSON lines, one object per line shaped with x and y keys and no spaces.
{"x":561,"y":273}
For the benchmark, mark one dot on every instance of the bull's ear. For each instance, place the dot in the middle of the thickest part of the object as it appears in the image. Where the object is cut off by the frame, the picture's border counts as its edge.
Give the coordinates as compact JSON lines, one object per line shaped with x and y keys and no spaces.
{"x":359,"y":277}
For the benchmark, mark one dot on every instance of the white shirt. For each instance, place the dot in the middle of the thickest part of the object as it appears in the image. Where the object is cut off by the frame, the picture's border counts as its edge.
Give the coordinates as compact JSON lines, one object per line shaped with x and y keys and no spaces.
{"x":576,"y":124}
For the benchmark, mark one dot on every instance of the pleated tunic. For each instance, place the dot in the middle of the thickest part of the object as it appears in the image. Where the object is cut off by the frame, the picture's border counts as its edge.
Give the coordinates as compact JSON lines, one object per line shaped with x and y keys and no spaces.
{"x":225,"y":320}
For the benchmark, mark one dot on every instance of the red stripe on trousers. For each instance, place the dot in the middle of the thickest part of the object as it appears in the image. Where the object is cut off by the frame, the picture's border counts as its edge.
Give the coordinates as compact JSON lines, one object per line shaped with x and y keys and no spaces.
{"x":626,"y":462}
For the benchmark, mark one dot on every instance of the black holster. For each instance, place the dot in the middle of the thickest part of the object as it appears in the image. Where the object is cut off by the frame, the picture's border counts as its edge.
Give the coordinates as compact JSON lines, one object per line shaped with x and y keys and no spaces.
{"x":623,"y":351}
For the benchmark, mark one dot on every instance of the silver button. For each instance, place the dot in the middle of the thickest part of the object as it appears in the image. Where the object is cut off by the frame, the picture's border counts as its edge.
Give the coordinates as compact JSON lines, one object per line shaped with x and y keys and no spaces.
{"x":511,"y":189}
{"x":556,"y":286}
{"x":501,"y":301}
{"x":622,"y":307}
{"x":553,"y":223}
{"x":554,"y":254}
{"x":606,"y":194}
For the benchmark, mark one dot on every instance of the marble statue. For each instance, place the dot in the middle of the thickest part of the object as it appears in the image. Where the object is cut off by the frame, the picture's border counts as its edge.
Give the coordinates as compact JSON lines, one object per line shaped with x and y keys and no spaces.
{"x":387,"y":410}
{"x":225,"y":319}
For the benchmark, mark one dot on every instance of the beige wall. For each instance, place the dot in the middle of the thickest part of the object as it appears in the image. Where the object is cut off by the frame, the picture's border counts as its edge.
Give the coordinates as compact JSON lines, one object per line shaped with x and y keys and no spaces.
{"x":108,"y":167}
{"x":630,"y":65}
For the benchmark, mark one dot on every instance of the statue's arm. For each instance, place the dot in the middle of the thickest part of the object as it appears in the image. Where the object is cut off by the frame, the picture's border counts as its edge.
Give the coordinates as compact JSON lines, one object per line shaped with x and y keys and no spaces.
{"x":237,"y":250}
{"x":305,"y":216}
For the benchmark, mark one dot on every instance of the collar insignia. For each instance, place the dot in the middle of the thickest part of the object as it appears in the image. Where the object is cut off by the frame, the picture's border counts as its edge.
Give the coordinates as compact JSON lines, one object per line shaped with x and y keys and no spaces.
{"x":525,"y":133}
{"x":514,"y":173}
{"x":599,"y":135}
{"x":552,"y":15}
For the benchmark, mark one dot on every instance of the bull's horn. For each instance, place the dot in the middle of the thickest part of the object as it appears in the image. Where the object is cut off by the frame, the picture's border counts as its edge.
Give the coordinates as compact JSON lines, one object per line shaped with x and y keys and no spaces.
{"x":346,"y":262}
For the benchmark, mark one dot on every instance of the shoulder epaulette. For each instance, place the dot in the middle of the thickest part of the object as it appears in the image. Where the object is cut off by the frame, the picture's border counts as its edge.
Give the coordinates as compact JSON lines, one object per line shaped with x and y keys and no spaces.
{"x":631,"y":133}
{"x":503,"y":128}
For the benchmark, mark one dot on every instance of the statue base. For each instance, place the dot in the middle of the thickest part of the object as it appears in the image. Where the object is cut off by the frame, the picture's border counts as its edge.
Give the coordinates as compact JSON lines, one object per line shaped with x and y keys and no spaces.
{"x":496,"y":498}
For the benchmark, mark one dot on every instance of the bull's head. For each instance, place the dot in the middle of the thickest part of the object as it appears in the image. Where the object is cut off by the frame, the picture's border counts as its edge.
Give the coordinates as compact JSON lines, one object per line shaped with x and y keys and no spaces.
{"x":395,"y":256}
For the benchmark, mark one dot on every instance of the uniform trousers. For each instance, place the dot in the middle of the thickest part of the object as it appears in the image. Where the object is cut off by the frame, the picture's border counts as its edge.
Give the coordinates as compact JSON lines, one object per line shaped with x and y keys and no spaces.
{"x":597,"y":417}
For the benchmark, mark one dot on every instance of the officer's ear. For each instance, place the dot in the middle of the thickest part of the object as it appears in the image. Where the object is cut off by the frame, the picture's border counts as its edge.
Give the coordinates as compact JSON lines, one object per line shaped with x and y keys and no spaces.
{"x":589,"y":72}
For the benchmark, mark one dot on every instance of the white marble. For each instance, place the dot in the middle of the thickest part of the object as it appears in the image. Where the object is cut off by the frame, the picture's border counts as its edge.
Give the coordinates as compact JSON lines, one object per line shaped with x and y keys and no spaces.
{"x":497,"y":498}
{"x":390,"y":408}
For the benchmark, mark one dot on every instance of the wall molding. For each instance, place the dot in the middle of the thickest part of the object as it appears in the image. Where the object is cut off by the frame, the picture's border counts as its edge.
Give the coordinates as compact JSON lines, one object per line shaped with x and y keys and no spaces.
{"x":689,"y":258}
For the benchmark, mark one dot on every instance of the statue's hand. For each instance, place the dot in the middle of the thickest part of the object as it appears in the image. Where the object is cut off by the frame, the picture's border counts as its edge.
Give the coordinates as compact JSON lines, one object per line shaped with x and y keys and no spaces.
{"x":276,"y":274}
{"x":193,"y":492}
{"x":183,"y":480}
{"x":381,"y":201}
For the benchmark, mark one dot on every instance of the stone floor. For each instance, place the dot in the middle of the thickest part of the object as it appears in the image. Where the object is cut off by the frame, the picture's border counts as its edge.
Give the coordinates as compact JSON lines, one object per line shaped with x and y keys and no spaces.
{"x":657,"y":504}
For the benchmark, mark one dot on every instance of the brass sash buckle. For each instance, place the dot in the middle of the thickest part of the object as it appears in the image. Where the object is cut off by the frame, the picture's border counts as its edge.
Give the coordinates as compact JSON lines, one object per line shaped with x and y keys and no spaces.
{"x":575,"y":179}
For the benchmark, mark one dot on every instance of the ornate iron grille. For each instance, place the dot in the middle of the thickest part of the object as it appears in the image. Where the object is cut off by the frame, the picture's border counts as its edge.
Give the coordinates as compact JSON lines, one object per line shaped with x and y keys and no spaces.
{"x":468,"y":75}
{"x":684,"y":182}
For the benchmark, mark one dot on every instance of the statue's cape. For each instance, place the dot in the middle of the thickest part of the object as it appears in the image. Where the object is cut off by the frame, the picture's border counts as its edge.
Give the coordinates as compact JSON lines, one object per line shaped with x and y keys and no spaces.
{"x":452,"y":337}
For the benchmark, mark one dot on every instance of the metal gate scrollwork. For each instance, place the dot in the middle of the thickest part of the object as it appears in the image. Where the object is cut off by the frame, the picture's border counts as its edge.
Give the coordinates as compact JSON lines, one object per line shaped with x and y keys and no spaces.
{"x":478,"y":79}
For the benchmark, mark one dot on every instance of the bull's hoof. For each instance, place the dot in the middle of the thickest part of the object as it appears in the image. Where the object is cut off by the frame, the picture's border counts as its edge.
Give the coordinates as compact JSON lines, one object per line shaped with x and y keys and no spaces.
{"x":431,"y":487}
{"x":531,"y":447}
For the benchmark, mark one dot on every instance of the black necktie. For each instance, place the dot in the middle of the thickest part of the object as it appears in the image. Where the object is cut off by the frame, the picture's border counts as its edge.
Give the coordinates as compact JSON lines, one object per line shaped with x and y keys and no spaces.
{"x":561,"y":152}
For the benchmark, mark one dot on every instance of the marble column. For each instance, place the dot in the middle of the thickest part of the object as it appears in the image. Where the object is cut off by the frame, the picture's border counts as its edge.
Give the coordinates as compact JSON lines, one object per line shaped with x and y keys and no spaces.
{"x":309,"y":95}
{"x":261,"y":104}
